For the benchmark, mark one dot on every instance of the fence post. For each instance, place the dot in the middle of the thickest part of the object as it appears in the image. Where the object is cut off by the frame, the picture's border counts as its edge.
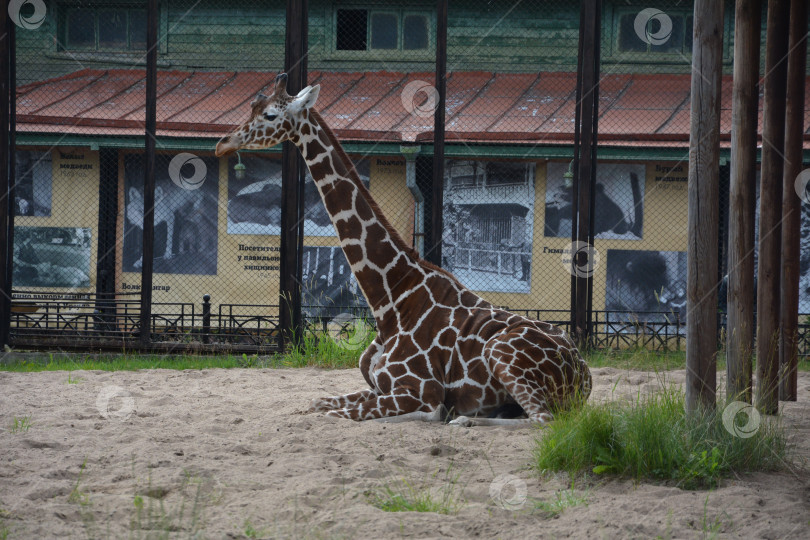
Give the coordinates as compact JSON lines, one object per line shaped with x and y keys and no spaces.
{"x":206,"y":318}
{"x":7,"y":94}
{"x":585,"y":170}
{"x":433,"y":252}
{"x":149,"y":174}
{"x":770,"y":209}
{"x":791,"y":212}
{"x":292,"y":174}
{"x":703,"y":210}
{"x":742,"y":196}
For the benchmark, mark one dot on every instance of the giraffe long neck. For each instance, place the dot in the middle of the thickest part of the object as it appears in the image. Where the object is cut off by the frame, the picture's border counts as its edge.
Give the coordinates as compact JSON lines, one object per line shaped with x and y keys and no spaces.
{"x":384,"y":265}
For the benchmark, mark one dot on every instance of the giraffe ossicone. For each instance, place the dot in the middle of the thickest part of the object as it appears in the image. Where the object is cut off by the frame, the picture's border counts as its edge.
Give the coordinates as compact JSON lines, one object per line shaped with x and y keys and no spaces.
{"x":439,"y":347}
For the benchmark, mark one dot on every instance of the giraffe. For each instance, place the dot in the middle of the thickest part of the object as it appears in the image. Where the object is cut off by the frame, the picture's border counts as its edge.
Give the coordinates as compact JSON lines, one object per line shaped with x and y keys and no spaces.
{"x":439,"y":348}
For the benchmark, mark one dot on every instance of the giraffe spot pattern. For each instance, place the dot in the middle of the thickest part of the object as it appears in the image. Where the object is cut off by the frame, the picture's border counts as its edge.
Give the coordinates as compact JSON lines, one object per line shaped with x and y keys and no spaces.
{"x":438,"y":344}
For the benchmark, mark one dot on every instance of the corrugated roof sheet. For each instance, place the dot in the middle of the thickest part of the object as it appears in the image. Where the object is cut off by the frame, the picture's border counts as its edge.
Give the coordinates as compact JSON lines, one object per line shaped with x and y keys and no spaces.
{"x":516,"y":108}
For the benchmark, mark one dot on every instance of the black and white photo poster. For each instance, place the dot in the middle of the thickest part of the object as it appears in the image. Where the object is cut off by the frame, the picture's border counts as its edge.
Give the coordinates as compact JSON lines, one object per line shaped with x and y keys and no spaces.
{"x":185,"y":219}
{"x":34,"y":178}
{"x":329,"y":288}
{"x":52,"y":257}
{"x":488,"y":217}
{"x":619,"y":200}
{"x":646,"y":285}
{"x":254,"y":201}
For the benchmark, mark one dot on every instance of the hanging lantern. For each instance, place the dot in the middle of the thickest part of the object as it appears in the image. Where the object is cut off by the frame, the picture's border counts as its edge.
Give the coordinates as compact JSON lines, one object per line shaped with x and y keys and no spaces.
{"x":239,"y":168}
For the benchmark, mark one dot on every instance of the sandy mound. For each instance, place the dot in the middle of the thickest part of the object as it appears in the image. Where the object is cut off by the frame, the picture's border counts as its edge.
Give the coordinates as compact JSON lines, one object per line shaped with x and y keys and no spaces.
{"x":229,"y":454}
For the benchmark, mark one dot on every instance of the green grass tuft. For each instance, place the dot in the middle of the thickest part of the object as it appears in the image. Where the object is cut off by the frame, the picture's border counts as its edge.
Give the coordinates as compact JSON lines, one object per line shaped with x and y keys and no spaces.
{"x":652,"y":437}
{"x":20,"y":424}
{"x":562,"y":499}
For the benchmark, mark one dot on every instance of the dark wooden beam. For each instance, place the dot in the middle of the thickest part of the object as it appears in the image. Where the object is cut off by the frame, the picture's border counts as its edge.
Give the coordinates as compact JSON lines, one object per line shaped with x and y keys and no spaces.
{"x":585,"y":168}
{"x":107,"y":241}
{"x":149,"y":174}
{"x":6,"y":178}
{"x":770,"y":207}
{"x":434,"y":252}
{"x":703,"y":196}
{"x":292,"y":177}
{"x":742,"y":200}
{"x":791,"y":203}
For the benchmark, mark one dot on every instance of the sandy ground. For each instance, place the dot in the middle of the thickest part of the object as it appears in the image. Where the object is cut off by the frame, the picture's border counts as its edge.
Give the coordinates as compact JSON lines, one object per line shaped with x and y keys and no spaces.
{"x":230,"y":454}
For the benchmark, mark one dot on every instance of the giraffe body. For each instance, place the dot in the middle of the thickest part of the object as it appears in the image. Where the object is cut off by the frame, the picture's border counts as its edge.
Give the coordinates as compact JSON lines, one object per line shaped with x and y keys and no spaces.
{"x":439,"y":346}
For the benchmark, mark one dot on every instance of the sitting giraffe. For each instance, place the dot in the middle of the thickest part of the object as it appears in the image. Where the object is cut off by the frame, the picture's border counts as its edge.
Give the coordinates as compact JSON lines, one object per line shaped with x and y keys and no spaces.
{"x":439,"y":346}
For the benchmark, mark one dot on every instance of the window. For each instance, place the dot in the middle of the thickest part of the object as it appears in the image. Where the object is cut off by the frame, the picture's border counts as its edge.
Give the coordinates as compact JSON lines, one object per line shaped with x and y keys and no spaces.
{"x":655,"y":32}
{"x":108,"y":28}
{"x":381,"y":30}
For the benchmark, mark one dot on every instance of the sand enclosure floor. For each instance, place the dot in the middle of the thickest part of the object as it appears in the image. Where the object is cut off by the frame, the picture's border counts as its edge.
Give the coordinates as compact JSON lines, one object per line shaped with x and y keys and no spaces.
{"x":230,"y":454}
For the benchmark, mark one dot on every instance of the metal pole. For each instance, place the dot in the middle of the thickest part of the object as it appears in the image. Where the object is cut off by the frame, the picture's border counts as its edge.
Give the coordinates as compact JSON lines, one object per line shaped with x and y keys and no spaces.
{"x":434,"y":254}
{"x":149,"y":174}
{"x":791,"y":210}
{"x":703,"y":197}
{"x":742,"y":197}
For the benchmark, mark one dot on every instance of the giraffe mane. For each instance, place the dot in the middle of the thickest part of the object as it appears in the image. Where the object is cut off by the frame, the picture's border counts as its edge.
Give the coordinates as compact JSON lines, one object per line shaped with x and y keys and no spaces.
{"x":352,"y":172}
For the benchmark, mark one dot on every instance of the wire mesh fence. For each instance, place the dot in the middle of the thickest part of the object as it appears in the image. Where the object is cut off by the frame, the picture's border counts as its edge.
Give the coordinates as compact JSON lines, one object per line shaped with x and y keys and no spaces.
{"x":506,"y":221}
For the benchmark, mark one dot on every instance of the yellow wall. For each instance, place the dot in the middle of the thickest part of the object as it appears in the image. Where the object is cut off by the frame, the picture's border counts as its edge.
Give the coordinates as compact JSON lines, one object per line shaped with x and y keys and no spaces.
{"x":74,"y":201}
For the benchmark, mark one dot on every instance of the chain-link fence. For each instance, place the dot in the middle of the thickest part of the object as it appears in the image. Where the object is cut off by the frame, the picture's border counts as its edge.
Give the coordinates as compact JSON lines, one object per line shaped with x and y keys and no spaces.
{"x":504,"y":219}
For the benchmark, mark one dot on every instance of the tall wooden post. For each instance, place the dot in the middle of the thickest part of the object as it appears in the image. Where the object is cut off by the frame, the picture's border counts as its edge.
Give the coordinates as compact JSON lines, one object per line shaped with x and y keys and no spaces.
{"x":585,"y":134}
{"x":704,"y":193}
{"x":791,"y":203}
{"x":742,"y":199}
{"x":149,"y":175}
{"x":434,"y":252}
{"x":6,"y":178}
{"x":292,"y":176}
{"x":770,"y":209}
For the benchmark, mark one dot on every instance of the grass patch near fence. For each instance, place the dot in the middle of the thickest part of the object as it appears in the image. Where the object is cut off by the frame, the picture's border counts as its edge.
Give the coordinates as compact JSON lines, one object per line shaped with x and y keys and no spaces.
{"x":652,"y":437}
{"x":323,"y":349}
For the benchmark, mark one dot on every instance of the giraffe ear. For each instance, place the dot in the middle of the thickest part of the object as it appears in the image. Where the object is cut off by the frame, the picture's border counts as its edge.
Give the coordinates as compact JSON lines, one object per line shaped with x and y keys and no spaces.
{"x":306,"y":98}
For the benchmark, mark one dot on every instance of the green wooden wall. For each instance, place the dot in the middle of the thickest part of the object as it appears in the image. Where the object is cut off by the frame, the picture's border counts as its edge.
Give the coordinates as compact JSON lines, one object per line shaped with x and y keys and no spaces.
{"x":483,"y":35}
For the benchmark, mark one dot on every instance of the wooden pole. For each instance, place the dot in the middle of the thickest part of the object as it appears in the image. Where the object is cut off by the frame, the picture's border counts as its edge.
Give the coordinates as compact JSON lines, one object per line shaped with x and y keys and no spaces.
{"x":292,"y":174}
{"x":434,"y":253}
{"x":149,"y":174}
{"x":791,"y":203}
{"x":586,"y":171}
{"x":703,"y":195}
{"x":742,"y":200}
{"x":770,"y":209}
{"x":6,"y":180}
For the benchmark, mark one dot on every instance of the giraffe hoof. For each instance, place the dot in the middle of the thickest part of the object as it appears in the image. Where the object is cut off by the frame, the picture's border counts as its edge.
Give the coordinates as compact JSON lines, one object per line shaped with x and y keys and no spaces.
{"x":462,"y":421}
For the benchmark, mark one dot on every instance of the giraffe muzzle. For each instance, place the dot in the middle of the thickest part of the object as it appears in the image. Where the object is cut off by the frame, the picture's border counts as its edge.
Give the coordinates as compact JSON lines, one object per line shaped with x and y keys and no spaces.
{"x":226,"y":146}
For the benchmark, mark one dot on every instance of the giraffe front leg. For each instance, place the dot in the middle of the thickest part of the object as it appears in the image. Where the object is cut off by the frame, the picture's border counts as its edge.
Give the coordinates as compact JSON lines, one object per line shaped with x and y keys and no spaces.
{"x":401,"y":404}
{"x":369,"y":357}
{"x":341,"y":402}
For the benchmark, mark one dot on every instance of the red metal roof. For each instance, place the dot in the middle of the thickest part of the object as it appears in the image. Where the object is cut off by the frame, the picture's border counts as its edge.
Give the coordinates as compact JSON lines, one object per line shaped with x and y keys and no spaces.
{"x":634,"y":110}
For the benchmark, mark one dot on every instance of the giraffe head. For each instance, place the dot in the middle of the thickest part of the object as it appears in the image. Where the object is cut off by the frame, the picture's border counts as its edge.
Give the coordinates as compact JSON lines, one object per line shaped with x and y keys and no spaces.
{"x":273,"y":119}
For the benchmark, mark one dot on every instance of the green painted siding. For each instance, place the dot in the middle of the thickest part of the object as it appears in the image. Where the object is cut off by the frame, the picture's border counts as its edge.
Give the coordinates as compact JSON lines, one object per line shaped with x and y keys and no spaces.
{"x":249,"y":35}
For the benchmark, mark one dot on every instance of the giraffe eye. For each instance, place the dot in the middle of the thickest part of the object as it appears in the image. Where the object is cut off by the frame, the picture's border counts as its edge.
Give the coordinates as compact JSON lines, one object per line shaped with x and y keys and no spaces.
{"x":270,"y":117}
